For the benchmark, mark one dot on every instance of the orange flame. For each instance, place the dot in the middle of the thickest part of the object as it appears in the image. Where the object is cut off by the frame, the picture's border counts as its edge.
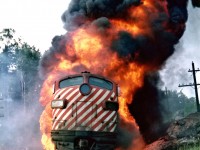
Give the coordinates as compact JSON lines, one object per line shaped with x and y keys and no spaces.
{"x":92,"y":51}
{"x":45,"y":127}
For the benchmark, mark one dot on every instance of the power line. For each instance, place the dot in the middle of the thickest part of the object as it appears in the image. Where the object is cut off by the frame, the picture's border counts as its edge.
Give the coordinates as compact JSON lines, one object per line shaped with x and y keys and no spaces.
{"x":195,"y":84}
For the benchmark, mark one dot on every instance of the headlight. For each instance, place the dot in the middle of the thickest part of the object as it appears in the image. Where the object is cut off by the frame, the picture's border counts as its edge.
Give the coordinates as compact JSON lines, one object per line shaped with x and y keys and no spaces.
{"x":85,"y":89}
{"x":58,"y":104}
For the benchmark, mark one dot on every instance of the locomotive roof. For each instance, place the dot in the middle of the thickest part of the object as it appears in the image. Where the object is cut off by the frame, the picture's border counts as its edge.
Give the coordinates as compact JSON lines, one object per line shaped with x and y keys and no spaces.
{"x":86,"y":73}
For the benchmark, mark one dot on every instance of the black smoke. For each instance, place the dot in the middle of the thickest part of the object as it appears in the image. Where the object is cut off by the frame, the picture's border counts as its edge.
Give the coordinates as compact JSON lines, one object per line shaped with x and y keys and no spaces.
{"x":80,"y":10}
{"x":151,"y":50}
{"x":146,"y":109}
{"x":125,"y":45}
{"x":156,"y":49}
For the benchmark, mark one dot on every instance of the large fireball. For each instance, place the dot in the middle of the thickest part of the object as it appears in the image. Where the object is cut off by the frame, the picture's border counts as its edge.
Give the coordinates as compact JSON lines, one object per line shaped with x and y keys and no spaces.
{"x":123,"y":41}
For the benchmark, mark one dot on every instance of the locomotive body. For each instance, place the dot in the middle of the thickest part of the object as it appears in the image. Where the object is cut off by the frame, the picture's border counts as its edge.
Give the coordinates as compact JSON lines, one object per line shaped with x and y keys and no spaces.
{"x":85,"y":113}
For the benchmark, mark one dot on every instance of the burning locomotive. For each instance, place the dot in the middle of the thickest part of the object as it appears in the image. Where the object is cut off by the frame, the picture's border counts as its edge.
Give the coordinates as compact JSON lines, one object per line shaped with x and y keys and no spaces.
{"x":85,"y":112}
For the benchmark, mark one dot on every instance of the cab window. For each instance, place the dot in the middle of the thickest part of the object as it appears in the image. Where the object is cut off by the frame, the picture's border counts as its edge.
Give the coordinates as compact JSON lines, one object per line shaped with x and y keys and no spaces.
{"x":71,"y":81}
{"x":103,"y":83}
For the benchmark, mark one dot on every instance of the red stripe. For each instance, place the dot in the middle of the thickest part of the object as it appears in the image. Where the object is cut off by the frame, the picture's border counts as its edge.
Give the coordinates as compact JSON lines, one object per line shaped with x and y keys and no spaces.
{"x":81,"y":105}
{"x":92,"y":104}
{"x":57,"y":92}
{"x":57,"y":96}
{"x":114,"y":96}
{"x":66,"y":110}
{"x":54,"y":110}
{"x":101,"y":112}
{"x":67,"y":101}
{"x":89,"y":113}
{"x":114,"y":122}
{"x":105,"y":123}
{"x":88,"y":124}
{"x":102,"y":119}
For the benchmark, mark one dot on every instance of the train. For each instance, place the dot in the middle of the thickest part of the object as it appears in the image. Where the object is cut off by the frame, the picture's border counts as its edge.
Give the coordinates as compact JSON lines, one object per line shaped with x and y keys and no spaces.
{"x":85,"y":113}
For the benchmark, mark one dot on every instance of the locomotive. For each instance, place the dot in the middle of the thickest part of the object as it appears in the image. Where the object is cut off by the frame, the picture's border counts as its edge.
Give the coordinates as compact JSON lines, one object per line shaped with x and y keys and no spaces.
{"x":85,"y":113}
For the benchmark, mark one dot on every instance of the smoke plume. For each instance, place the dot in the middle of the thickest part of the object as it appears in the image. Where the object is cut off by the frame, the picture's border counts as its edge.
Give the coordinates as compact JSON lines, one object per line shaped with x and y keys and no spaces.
{"x":178,"y":65}
{"x":18,"y":120}
{"x":125,"y":40}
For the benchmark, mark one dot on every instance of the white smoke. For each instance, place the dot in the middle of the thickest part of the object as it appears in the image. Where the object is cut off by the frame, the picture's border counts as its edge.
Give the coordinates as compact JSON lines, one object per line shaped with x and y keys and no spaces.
{"x":175,"y":71}
{"x":19,"y":113}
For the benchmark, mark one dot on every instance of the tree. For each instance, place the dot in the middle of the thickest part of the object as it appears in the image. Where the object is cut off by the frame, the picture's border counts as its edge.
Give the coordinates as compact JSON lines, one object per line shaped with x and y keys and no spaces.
{"x":20,"y":85}
{"x":176,"y":104}
{"x":19,"y":58}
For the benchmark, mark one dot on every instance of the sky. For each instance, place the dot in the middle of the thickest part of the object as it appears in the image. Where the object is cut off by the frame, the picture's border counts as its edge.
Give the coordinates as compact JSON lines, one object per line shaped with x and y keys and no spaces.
{"x":175,"y":71}
{"x":38,"y":21}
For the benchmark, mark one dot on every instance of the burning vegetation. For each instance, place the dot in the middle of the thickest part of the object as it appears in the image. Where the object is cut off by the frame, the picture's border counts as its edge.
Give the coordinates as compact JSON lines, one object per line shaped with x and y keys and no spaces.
{"x":125,"y":40}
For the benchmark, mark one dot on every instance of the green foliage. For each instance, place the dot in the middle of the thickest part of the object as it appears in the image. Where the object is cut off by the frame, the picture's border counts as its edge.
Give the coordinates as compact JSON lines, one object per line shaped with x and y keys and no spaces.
{"x":7,"y":34}
{"x":19,"y":57}
{"x":189,"y":146}
{"x":176,"y":104}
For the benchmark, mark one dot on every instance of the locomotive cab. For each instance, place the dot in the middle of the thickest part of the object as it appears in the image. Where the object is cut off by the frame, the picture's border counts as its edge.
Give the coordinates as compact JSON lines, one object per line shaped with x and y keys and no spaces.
{"x":85,"y":113}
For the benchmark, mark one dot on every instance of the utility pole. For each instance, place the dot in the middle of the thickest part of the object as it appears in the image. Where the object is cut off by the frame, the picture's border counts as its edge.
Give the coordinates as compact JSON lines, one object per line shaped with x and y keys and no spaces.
{"x":195,"y":84}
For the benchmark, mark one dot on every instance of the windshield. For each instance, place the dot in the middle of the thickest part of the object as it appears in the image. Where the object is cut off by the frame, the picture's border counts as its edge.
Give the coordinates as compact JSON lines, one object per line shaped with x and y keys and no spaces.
{"x":71,"y":82}
{"x":101,"y":83}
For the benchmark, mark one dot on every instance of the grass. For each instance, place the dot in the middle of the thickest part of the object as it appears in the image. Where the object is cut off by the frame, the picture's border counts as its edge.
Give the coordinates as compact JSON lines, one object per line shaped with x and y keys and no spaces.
{"x":190,"y":146}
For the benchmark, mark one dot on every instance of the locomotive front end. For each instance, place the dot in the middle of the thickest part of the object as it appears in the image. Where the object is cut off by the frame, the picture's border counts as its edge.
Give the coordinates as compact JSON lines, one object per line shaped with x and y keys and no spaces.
{"x":85,"y":113}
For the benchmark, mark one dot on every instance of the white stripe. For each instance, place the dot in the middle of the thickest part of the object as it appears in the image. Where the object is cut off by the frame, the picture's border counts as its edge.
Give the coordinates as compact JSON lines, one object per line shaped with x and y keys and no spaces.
{"x":97,"y":119}
{"x":83,"y":107}
{"x":56,"y":92}
{"x":99,"y":101}
{"x":103,"y":97}
{"x":60,"y":91}
{"x":72,"y":126}
{"x":65,"y":93}
{"x":89,"y":119}
{"x":85,"y":113}
{"x":93,"y":98}
{"x":108,"y":118}
{"x":113,"y":95}
{"x":114,"y":122}
{"x":77,"y":106}
{"x":113,"y":129}
{"x":55,"y":111}
{"x":102,"y":115}
{"x":70,"y":103}
{"x":68,"y":97}
{"x":100,"y":108}
{"x":55,"y":97}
